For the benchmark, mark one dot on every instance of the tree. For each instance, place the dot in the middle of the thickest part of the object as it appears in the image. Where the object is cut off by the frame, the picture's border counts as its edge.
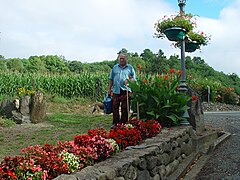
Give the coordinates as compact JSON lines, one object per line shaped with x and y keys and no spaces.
{"x":15,"y":65}
{"x":54,"y":64}
{"x":3,"y":66}
{"x":36,"y":65}
{"x":75,"y":66}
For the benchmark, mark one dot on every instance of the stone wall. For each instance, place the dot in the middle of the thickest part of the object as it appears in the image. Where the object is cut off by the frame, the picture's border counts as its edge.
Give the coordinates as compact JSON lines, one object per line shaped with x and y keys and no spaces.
{"x":157,"y":158}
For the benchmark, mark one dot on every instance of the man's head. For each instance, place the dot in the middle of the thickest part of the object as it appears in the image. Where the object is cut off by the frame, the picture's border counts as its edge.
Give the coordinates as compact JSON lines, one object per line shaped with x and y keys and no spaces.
{"x":122,"y":59}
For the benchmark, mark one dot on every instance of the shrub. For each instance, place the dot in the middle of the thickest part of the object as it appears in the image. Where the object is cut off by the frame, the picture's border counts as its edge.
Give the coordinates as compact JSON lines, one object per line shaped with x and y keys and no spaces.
{"x":159,"y":98}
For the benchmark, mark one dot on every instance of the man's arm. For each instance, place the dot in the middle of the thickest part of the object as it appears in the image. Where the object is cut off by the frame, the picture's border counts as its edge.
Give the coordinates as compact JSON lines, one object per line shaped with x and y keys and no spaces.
{"x":109,"y":86}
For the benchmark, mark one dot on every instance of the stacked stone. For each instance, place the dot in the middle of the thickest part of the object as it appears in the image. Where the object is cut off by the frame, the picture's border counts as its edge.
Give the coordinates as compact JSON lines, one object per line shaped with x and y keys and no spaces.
{"x":157,"y":158}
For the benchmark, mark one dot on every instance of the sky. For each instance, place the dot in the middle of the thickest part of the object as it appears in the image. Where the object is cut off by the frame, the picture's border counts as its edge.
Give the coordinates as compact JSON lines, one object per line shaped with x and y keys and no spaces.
{"x":95,"y":30}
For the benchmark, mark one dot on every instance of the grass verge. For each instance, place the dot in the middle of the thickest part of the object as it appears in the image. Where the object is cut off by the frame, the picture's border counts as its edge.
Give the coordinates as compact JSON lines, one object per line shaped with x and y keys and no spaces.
{"x":63,"y":122}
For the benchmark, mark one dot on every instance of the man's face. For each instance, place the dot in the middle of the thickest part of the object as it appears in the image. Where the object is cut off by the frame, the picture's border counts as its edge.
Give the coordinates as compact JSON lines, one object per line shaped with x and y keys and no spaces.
{"x":122,"y":60}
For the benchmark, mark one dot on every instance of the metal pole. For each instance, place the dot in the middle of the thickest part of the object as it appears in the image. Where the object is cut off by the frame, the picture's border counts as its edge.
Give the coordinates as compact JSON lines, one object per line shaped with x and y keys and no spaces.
{"x":183,"y":85}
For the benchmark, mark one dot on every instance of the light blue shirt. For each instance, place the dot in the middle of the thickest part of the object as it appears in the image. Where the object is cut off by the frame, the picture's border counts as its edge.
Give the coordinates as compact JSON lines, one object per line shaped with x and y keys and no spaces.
{"x":119,"y":74}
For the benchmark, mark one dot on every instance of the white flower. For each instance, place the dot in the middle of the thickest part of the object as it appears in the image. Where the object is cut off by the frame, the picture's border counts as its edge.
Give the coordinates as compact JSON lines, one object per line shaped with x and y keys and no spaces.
{"x":72,"y":160}
{"x":114,"y":144}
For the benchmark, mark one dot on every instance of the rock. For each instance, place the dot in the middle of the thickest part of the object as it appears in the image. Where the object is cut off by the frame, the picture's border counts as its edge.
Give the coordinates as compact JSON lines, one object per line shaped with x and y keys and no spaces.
{"x":186,"y":148}
{"x":108,"y":171}
{"x":7,"y":107}
{"x":180,"y":159}
{"x":175,"y":154}
{"x":167,"y":147}
{"x":131,"y":173}
{"x":156,"y":177}
{"x":165,"y":159}
{"x":153,"y":172}
{"x":38,"y":108}
{"x":143,"y":175}
{"x":142,"y":164}
{"x":17,"y":117}
{"x":119,"y":178}
{"x":174,"y":144}
{"x":175,"y":164}
{"x":65,"y":177}
{"x":196,"y":118}
{"x":169,"y":169}
{"x":162,"y":171}
{"x":26,"y":119}
{"x":25,"y":105}
{"x":123,"y":169}
{"x":151,"y":162}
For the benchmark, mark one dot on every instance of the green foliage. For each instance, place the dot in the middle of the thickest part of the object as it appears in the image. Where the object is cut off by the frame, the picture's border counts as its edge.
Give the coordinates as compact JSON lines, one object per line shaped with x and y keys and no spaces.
{"x":69,"y":79}
{"x":68,"y":86}
{"x":200,"y":38}
{"x":159,"y":98}
{"x":4,"y":122}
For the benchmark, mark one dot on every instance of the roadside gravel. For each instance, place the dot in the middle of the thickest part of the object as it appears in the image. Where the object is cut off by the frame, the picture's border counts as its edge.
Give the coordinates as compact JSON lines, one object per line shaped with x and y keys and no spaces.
{"x":224,"y":162}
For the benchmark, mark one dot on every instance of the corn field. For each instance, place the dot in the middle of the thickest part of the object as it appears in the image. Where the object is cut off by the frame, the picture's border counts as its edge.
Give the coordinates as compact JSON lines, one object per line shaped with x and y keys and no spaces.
{"x":66,"y":85}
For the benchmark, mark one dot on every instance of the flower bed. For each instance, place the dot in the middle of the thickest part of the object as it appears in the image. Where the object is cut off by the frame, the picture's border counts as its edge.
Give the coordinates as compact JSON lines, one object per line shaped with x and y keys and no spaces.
{"x":49,"y":161}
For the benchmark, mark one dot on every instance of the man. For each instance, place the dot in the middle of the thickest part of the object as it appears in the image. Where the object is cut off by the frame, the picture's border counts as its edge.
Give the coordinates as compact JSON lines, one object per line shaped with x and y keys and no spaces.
{"x":119,"y":76}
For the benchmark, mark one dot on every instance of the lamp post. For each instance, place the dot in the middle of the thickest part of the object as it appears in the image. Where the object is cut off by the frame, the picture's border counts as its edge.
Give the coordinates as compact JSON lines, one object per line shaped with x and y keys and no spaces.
{"x":183,"y":85}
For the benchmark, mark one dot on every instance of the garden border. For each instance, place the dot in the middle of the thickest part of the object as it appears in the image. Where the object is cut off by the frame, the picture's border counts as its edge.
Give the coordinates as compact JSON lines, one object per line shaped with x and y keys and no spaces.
{"x":169,"y":154}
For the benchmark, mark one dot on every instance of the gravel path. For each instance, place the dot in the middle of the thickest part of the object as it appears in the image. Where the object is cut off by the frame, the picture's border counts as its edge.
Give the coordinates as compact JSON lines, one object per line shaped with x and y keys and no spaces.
{"x":224,"y":162}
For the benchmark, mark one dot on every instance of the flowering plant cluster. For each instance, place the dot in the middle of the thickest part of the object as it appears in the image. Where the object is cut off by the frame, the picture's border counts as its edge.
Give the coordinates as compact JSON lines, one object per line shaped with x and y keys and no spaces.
{"x":199,"y":37}
{"x":23,"y":92}
{"x":184,"y":21}
{"x":72,"y":160}
{"x":49,"y":161}
{"x":159,"y":98}
{"x":125,"y":136}
{"x":21,"y":168}
{"x":97,"y":143}
{"x":148,"y":129}
{"x":218,"y":92}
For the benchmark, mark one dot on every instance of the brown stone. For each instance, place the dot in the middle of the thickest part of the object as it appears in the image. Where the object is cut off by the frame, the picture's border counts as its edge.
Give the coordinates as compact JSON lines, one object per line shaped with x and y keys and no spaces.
{"x":38,"y":108}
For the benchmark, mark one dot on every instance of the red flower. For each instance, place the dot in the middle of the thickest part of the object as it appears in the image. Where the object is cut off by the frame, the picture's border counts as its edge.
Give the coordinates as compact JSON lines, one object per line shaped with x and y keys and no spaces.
{"x":166,"y":77}
{"x":171,"y":71}
{"x":145,"y":81}
{"x":139,"y":67}
{"x":194,"y":98}
{"x":179,"y":72}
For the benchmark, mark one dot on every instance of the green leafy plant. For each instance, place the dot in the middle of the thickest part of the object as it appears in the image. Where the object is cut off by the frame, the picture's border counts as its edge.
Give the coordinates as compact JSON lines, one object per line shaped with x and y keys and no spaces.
{"x":159,"y":98}
{"x":199,"y":37}
{"x":185,"y":21}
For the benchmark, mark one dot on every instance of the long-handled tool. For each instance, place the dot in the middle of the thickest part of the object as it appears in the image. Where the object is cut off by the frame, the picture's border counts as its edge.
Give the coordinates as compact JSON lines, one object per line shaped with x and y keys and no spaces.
{"x":127,"y":103}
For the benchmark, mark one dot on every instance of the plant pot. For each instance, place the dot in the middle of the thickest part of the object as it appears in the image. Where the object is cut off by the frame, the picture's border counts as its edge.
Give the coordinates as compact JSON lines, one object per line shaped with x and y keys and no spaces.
{"x":191,"y":46}
{"x":175,"y":33}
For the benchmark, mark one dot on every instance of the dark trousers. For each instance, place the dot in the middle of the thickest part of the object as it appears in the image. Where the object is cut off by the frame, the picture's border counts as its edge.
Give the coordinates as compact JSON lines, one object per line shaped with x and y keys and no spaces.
{"x":117,"y":99}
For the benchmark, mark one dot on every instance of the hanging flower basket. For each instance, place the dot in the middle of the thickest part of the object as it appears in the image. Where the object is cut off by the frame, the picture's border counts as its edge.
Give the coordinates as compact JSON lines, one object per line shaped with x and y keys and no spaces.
{"x":193,"y":41}
{"x":175,"y":33}
{"x":191,"y":46}
{"x":179,"y":22}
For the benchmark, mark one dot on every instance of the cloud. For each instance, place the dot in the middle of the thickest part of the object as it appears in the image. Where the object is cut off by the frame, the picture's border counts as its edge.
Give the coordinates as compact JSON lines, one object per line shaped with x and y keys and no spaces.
{"x":93,"y":30}
{"x":223,"y":53}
